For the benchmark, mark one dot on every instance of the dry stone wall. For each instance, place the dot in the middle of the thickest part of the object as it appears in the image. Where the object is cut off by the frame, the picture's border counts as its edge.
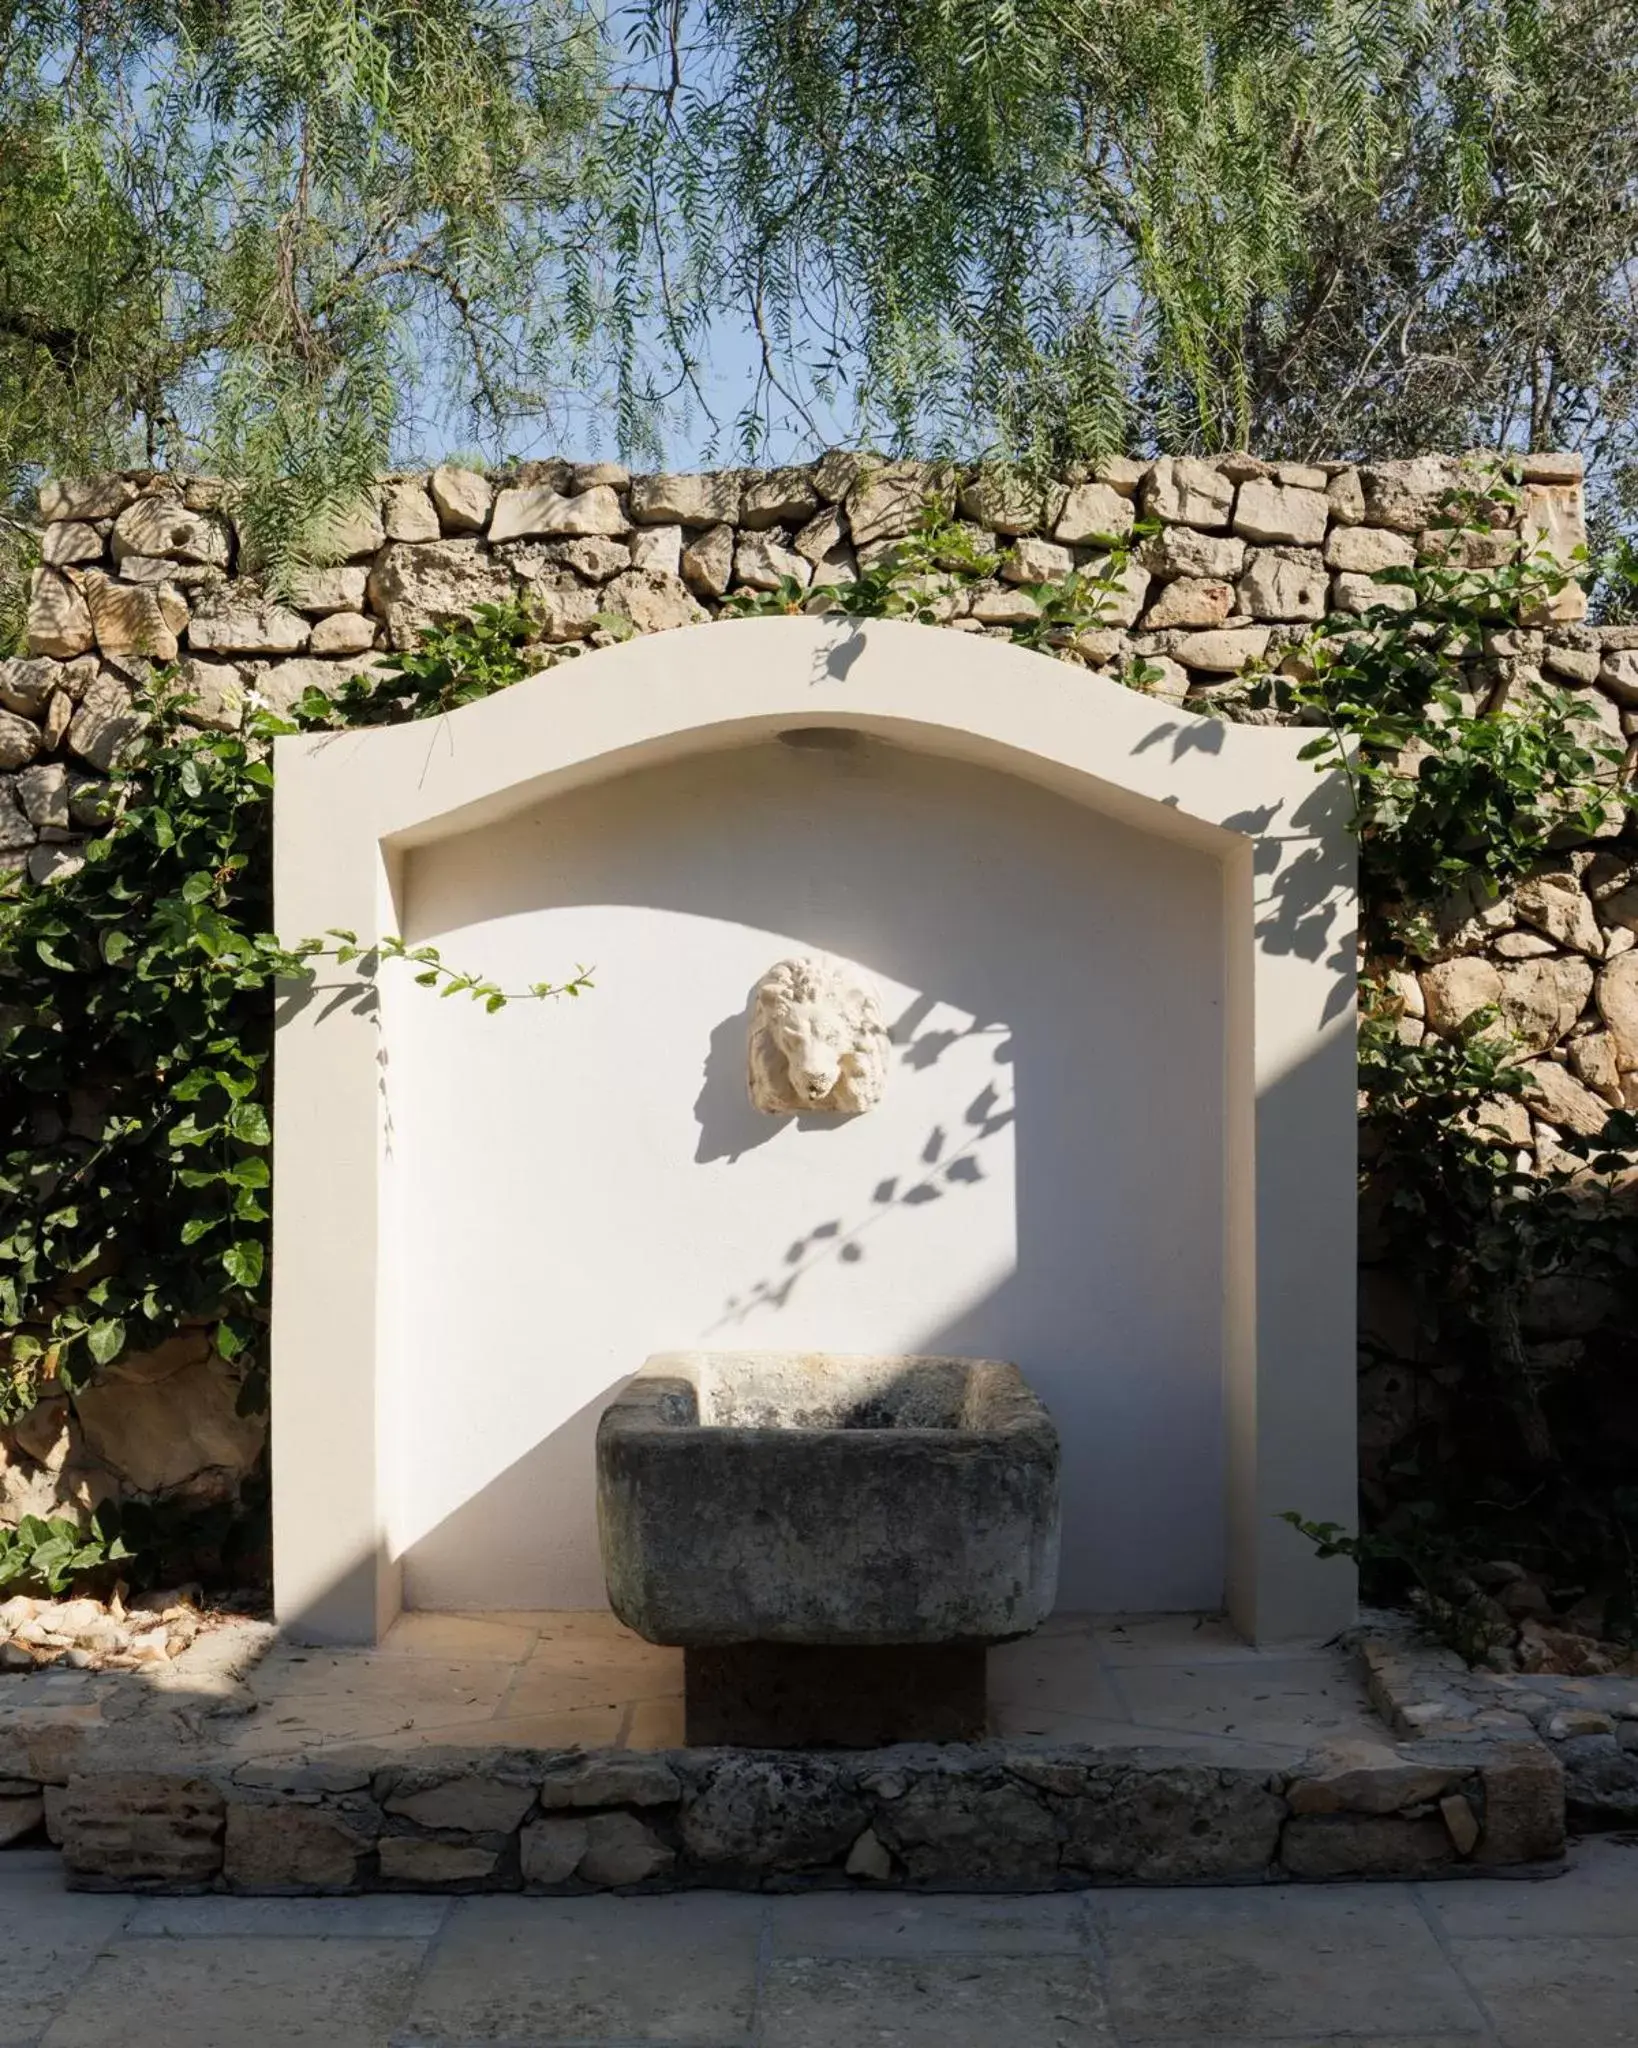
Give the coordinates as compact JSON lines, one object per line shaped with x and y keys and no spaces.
{"x":1242,"y":559}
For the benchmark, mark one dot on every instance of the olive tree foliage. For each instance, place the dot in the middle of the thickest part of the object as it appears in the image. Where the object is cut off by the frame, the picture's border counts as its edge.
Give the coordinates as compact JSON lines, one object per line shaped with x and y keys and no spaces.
{"x":251,"y":235}
{"x":1308,"y":226}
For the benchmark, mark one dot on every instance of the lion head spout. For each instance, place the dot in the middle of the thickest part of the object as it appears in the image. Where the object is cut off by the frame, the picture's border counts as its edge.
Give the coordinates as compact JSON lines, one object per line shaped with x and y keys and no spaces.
{"x":817,"y":1039}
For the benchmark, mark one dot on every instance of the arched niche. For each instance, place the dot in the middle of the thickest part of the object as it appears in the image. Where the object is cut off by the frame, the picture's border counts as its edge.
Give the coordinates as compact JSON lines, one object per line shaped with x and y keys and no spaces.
{"x":1117,"y":940}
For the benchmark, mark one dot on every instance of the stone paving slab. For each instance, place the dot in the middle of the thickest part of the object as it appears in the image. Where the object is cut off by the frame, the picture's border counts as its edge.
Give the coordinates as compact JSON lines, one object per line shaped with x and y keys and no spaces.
{"x":1548,"y":1964}
{"x":684,"y":1970}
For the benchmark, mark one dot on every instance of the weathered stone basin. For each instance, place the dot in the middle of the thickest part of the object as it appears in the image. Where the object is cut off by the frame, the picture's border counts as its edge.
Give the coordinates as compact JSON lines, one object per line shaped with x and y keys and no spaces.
{"x":779,"y":1497}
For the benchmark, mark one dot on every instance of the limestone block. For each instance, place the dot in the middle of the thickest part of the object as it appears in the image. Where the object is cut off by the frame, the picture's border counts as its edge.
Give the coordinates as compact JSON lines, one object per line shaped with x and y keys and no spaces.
{"x":538,"y":509}
{"x":1094,"y":513}
{"x":1454,"y":989}
{"x":164,"y":527}
{"x":215,"y":692}
{"x":950,"y":1830}
{"x":1618,"y":1006}
{"x":409,"y":1860}
{"x":283,"y":684}
{"x":54,"y":863}
{"x":1188,"y":1823}
{"x":653,"y":601}
{"x":1182,"y":551}
{"x":158,"y":1433}
{"x":1405,"y":495}
{"x":1171,"y":683}
{"x":26,"y":686}
{"x":1595,"y":1064}
{"x":1541,"y":999}
{"x":1007,"y":503}
{"x":993,"y":604}
{"x":761,"y":562}
{"x":19,"y":740}
{"x":870,"y":1859}
{"x":1225,"y":652}
{"x":584,"y":476}
{"x":1123,"y":473}
{"x":476,"y":1804}
{"x":408,"y":513}
{"x":104,"y":725}
{"x":462,"y":497}
{"x":621,"y":1849}
{"x":237,"y":622}
{"x":1384,"y":1783}
{"x":276,"y":1848}
{"x":594,"y":557}
{"x":59,"y":619}
{"x":1121,"y":604}
{"x":49,"y":1745}
{"x":1360,"y":594}
{"x":707,"y":500}
{"x":1284,"y":583}
{"x":1554,"y":904}
{"x":614,"y":1778}
{"x":1189,"y":601}
{"x":330,"y":590}
{"x":1184,"y":490}
{"x":70,"y":540}
{"x":778,"y":497}
{"x":1572,"y":664}
{"x":659,"y":548}
{"x":354,"y":535}
{"x":137,"y":1831}
{"x":92,"y":497}
{"x":1618,"y":675}
{"x":567,"y":610}
{"x":1366,"y":1845}
{"x":1270,"y":511}
{"x":43,"y":793}
{"x":887,"y":502}
{"x":817,"y":1039}
{"x":16,"y":832}
{"x":1523,"y":1787}
{"x":1362,"y":550}
{"x":1552,"y":522}
{"x":415,"y":584}
{"x":550,"y":1850}
{"x":135,"y":620}
{"x":342,"y":633}
{"x":1030,"y":560}
{"x":1563,"y":1101}
{"x":1346,"y":498}
{"x":708,"y":562}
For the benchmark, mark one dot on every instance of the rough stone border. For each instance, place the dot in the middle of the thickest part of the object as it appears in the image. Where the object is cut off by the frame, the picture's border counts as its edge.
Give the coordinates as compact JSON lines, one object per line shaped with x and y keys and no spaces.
{"x":135,"y":1790}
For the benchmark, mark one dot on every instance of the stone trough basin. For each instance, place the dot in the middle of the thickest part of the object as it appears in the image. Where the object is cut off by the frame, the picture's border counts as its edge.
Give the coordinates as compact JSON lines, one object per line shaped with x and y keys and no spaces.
{"x":834,"y":1541}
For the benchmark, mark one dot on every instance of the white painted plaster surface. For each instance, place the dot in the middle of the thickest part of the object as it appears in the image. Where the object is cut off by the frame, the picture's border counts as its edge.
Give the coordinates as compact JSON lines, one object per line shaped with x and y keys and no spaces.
{"x":1040,"y":1181}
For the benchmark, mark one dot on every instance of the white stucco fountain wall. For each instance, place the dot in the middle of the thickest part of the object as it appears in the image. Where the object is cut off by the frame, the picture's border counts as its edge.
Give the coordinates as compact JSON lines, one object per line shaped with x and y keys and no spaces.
{"x":1040,"y":1182}
{"x":1113,"y":943}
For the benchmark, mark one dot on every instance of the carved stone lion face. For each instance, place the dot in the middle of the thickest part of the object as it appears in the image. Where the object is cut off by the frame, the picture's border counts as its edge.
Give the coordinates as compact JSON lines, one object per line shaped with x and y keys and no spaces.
{"x":817,"y":1040}
{"x":816,"y":1043}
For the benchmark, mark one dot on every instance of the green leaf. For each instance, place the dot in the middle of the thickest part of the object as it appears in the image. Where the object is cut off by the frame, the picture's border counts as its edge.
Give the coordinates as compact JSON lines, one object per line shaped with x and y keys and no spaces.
{"x":106,"y":1339}
{"x":248,"y":1123}
{"x":243,"y":1262}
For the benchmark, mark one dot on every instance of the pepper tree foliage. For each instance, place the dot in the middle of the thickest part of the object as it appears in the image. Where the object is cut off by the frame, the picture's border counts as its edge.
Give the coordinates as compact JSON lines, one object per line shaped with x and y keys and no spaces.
{"x":137,"y":995}
{"x":1312,"y":227}
{"x":287,"y":241}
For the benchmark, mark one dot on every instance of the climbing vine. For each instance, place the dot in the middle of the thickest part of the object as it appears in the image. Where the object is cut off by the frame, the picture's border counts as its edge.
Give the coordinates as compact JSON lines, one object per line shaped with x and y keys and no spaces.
{"x":137,"y":997}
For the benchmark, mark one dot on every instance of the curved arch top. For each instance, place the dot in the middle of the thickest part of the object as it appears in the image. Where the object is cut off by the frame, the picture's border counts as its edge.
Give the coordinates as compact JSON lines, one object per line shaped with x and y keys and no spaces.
{"x":350,"y":806}
{"x":732,"y":682}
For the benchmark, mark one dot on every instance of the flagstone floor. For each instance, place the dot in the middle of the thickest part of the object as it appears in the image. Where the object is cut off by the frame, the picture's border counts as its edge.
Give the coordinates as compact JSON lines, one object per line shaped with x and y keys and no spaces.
{"x":1550,"y":1964}
{"x":543,"y":1680}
